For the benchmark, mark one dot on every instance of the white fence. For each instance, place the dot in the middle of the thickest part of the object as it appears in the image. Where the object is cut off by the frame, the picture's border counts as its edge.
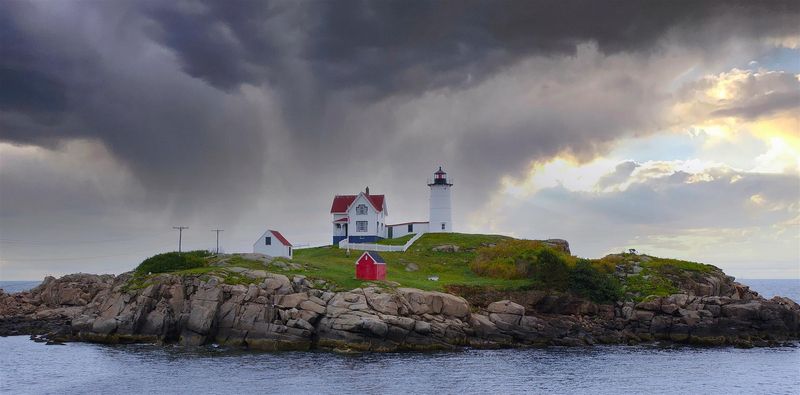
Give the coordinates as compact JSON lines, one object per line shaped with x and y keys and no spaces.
{"x":344,"y":244}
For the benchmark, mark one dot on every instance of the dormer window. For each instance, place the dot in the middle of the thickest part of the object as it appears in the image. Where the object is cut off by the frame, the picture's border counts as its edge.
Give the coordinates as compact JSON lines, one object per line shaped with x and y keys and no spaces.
{"x":361,"y":209}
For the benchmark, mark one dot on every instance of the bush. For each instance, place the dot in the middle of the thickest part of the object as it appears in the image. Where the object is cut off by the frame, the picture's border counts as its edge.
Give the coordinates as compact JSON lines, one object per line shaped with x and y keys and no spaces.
{"x":173,"y":261}
{"x":504,"y":268}
{"x":550,"y":269}
{"x":508,"y":259}
{"x":591,"y":282}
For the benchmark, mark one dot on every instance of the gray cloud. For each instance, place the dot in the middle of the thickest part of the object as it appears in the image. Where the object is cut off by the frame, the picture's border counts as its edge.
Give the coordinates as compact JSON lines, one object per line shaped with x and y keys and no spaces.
{"x":746,"y":94}
{"x":718,"y":215}
{"x":397,"y":46}
{"x":261,"y":111}
{"x":621,"y":174}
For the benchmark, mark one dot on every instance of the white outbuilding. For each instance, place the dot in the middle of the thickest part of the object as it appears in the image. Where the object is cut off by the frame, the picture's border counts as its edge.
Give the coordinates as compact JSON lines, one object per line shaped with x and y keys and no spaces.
{"x":272,"y":243}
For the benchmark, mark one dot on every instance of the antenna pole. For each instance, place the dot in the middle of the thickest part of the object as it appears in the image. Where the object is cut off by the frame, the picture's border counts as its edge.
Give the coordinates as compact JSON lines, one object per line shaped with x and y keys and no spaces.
{"x":180,"y":234}
{"x":217,"y":231}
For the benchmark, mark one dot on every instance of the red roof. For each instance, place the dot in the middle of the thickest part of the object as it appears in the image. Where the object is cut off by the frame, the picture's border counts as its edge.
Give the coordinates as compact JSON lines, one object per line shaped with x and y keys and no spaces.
{"x":376,"y":258}
{"x":342,"y":202}
{"x":343,"y":219}
{"x":280,"y":237}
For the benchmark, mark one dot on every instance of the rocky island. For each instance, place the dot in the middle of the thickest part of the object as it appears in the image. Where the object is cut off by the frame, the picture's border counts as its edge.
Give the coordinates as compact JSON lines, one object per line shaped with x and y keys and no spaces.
{"x":513,"y":293}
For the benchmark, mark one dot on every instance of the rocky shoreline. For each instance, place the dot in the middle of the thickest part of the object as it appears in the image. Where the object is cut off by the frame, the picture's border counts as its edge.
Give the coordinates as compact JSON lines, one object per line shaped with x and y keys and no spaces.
{"x":279,"y":313}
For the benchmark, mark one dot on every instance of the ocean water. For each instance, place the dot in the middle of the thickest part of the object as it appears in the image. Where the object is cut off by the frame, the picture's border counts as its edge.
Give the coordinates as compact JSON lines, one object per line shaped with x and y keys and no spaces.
{"x":35,"y":368}
{"x":18,"y":286}
{"x":28,"y":367}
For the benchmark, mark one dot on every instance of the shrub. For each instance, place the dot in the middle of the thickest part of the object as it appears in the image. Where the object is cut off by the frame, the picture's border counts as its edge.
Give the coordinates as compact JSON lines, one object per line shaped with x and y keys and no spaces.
{"x":508,"y":259}
{"x":517,"y":259}
{"x":173,"y":261}
{"x":591,"y":282}
{"x":504,"y":268}
{"x":550,"y":269}
{"x":649,"y":284}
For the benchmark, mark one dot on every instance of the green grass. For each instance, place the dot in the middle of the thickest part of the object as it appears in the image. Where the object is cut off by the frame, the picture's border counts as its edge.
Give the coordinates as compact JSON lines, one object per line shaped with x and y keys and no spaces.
{"x":666,"y":264}
{"x":659,"y":276}
{"x":649,"y":284}
{"x":238,"y":261}
{"x":332,"y":264}
{"x":398,"y":241}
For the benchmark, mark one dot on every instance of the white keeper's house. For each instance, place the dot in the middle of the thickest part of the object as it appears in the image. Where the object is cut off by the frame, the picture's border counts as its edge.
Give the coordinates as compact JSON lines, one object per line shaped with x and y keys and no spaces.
{"x":359,"y":218}
{"x":362,"y":218}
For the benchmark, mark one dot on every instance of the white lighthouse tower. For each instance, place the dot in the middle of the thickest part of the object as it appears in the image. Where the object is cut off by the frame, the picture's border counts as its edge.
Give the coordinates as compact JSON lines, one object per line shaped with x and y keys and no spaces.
{"x":440,"y":218}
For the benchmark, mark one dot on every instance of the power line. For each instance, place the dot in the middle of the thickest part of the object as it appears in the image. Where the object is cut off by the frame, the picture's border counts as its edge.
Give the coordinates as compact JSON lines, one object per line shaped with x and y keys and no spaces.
{"x":217,"y":231}
{"x":180,"y":234}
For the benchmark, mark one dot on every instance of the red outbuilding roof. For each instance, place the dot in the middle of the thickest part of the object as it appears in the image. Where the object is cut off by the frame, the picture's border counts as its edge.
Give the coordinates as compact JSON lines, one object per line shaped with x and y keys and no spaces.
{"x":280,"y":238}
{"x":343,"y":219}
{"x":342,"y":202}
{"x":377,"y":258}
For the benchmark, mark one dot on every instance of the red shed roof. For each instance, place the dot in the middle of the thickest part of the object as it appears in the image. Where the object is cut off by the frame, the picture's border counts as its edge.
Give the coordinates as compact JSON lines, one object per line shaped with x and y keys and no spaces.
{"x":342,"y":202}
{"x":377,"y":258}
{"x":280,"y":237}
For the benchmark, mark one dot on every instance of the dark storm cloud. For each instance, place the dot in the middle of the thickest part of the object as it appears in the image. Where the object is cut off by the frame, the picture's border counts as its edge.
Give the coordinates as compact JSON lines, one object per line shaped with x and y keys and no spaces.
{"x":200,"y":99}
{"x":396,"y":46}
{"x":86,"y":70}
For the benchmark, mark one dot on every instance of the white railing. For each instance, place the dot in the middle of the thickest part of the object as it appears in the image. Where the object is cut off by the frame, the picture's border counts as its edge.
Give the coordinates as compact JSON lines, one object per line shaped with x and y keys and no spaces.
{"x":344,"y":244}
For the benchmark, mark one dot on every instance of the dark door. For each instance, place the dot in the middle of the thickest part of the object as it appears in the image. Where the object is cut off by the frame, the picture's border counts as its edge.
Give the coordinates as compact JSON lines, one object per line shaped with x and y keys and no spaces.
{"x":390,"y":232}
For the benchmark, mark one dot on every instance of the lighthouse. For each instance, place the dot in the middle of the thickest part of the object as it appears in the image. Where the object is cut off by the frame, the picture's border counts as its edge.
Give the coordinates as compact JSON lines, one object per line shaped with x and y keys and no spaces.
{"x":440,"y":217}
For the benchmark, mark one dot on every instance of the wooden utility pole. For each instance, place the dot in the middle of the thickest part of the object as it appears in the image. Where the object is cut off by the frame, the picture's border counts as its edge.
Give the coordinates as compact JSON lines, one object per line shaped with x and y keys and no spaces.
{"x":180,"y":234}
{"x":217,"y":231}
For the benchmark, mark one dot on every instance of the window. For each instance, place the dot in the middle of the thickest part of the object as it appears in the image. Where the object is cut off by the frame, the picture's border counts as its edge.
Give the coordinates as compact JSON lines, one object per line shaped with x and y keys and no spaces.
{"x":268,"y":240}
{"x":442,"y":225}
{"x":361,"y":209}
{"x":361,"y":226}
{"x":410,"y":228}
{"x":338,"y":226}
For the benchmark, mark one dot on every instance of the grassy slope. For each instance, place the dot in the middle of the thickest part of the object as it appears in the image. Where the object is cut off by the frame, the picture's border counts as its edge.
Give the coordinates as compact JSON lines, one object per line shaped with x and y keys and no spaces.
{"x":398,"y":241}
{"x":659,"y":276}
{"x":334,"y":265}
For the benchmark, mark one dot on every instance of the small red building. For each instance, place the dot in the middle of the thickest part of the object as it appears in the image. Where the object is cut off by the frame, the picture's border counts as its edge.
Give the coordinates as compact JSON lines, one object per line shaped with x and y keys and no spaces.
{"x":370,"y":266}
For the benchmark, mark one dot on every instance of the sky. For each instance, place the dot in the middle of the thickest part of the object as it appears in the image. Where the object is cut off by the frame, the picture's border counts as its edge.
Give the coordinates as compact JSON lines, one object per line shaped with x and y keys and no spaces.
{"x":668,"y":127}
